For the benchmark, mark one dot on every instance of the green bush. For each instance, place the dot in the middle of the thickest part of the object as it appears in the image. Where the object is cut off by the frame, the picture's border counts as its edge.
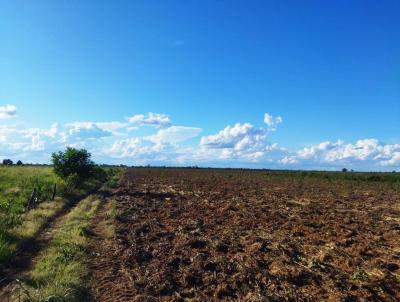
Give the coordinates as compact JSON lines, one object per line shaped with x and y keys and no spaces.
{"x":73,"y":163}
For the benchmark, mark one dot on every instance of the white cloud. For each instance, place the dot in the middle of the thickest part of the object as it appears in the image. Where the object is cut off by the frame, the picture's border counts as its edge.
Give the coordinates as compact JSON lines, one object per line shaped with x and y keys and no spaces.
{"x":110,"y":127}
{"x":237,"y":137}
{"x":5,"y":131}
{"x":240,"y":145}
{"x":82,"y":131}
{"x":142,"y":152}
{"x":17,"y":139}
{"x":126,"y":148}
{"x":367,"y":152}
{"x":272,"y":122}
{"x":393,"y":161}
{"x":153,"y":119}
{"x":242,"y":142}
{"x":7,"y":111}
{"x":153,"y":148}
{"x":173,"y":134}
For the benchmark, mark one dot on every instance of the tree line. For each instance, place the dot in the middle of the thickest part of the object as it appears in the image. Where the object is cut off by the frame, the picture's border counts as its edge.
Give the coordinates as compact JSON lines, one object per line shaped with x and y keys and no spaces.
{"x":9,"y":162}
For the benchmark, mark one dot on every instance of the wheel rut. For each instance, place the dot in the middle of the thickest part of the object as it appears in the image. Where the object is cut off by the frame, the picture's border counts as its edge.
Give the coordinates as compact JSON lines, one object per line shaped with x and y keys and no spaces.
{"x":27,"y":251}
{"x":110,"y":281}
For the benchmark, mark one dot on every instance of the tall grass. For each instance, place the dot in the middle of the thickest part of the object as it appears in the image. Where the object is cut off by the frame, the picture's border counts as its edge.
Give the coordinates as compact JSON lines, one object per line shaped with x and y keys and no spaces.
{"x":16,"y":185}
{"x":60,"y":272}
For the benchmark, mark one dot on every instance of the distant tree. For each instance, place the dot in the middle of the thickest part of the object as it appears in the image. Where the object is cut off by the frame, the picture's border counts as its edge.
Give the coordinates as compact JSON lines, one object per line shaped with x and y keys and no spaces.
{"x":344,"y":170}
{"x":73,"y":163}
{"x":7,"y":162}
{"x":19,"y":163}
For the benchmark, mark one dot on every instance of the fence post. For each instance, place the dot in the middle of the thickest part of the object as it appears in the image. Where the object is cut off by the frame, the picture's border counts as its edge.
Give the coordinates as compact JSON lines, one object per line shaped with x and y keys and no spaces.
{"x":32,"y":199}
{"x":54,"y":192}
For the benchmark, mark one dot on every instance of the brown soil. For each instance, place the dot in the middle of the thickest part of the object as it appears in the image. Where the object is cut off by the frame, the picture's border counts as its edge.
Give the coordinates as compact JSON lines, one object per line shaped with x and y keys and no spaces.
{"x":210,"y":235}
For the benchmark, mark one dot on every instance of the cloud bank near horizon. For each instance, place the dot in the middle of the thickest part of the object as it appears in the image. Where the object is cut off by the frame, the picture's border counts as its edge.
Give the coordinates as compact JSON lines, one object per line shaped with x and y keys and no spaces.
{"x":239,"y":145}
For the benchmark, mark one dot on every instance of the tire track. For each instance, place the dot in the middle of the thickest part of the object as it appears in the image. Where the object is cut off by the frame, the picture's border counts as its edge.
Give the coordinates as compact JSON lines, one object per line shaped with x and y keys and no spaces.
{"x":106,"y":268}
{"x":28,"y":250}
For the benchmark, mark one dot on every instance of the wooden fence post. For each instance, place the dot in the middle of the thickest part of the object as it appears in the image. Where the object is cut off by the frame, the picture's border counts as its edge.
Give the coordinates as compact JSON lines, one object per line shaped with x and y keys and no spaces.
{"x":54,"y":192}
{"x":32,"y":200}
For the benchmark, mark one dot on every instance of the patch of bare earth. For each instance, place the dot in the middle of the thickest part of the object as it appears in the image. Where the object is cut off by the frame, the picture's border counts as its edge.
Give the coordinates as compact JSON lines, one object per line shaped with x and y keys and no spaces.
{"x":210,"y":235}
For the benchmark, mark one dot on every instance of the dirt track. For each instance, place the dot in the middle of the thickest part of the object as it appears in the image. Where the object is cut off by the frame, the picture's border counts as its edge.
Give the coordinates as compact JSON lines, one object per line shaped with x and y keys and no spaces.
{"x":204,"y":235}
{"x":26,"y":253}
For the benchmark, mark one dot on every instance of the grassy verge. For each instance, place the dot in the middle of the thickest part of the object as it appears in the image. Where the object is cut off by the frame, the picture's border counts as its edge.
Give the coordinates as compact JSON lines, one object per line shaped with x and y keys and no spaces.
{"x":16,"y":184}
{"x":107,"y":225}
{"x":33,"y":220}
{"x":60,"y":273}
{"x":30,"y":224}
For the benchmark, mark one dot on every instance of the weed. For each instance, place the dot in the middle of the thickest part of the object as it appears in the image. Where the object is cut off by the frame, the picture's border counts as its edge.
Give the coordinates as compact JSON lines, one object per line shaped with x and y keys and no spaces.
{"x":67,"y":253}
{"x":359,"y":276}
{"x":115,"y":214}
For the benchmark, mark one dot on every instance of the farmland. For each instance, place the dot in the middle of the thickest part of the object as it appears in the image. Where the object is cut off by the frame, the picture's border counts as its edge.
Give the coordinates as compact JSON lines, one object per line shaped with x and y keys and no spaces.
{"x":201,"y":235}
{"x":164,"y":234}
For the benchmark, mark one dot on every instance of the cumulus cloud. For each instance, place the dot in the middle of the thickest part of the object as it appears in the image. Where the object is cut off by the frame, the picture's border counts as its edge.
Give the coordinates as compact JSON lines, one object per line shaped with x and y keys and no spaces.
{"x":366,"y":151}
{"x":7,"y":111}
{"x":237,"y":137}
{"x":173,"y":134}
{"x":142,"y":151}
{"x":240,"y":145}
{"x":393,"y":160}
{"x":82,"y":131}
{"x":161,"y":146}
{"x":240,"y":142}
{"x":35,"y":142}
{"x":131,"y":147}
{"x":272,"y":122}
{"x":153,"y":119}
{"x":108,"y":127}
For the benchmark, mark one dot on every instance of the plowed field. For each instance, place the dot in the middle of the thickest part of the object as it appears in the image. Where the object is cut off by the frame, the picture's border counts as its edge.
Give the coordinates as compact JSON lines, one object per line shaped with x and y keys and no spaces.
{"x":210,"y":235}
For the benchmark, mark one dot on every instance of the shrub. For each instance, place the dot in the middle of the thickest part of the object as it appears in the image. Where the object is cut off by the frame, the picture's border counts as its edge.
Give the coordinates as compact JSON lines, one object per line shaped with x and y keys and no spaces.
{"x":73,"y":164}
{"x":7,"y":162}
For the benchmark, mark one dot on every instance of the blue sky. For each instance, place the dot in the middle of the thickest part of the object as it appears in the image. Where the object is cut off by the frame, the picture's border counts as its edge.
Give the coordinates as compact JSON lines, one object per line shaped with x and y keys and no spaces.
{"x":88,"y":73}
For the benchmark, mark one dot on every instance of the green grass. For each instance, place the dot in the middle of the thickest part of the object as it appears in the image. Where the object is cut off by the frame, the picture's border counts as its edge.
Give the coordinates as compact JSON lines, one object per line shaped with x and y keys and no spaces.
{"x":60,"y":273}
{"x":16,"y":185}
{"x":33,"y":220}
{"x":112,"y":214}
{"x":339,"y":176}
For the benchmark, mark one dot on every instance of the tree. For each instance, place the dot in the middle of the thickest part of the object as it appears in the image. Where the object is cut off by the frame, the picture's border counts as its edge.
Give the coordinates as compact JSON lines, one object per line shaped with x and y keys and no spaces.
{"x":344,"y":170}
{"x":7,"y":162}
{"x":19,"y":163}
{"x":73,"y":163}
